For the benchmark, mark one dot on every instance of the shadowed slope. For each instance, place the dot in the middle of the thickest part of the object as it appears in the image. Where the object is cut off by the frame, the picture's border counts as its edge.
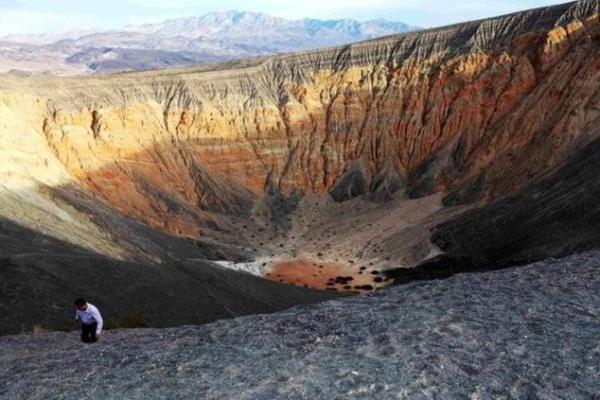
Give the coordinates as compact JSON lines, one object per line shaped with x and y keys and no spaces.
{"x":41,"y":276}
{"x":552,"y":217}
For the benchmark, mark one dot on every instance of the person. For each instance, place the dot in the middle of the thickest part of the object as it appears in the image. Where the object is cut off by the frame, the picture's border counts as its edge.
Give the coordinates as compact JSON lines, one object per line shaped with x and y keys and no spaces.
{"x":91,"y":321}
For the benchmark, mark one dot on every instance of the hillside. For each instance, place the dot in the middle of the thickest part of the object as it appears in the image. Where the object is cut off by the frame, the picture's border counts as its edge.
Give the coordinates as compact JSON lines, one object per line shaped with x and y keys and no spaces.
{"x":524,"y":333}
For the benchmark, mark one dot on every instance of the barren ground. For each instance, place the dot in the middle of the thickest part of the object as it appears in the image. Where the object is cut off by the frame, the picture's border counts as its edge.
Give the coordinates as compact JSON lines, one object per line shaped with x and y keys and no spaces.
{"x":523,"y":333}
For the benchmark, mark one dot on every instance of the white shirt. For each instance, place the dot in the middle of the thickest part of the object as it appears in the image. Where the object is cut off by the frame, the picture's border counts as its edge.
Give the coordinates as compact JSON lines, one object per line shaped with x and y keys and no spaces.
{"x":89,"y":316}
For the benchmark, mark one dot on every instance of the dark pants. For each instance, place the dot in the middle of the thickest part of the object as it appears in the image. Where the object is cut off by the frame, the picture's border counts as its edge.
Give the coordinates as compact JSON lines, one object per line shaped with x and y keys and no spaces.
{"x":88,"y":332}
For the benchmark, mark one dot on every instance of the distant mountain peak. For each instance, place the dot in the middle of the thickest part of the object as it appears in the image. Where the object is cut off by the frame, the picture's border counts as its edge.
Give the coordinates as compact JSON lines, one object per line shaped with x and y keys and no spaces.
{"x":226,"y":20}
{"x":212,"y":37}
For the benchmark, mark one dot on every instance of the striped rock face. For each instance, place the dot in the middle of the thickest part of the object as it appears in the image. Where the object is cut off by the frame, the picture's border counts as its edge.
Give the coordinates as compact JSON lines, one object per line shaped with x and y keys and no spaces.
{"x":344,"y":154}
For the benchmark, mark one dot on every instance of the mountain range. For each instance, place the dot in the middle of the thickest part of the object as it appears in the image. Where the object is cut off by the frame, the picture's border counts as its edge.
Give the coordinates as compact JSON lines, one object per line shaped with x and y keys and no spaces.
{"x":210,"y":38}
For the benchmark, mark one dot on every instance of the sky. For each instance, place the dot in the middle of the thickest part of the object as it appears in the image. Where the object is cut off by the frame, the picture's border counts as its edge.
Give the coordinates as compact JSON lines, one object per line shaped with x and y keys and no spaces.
{"x":37,"y":16}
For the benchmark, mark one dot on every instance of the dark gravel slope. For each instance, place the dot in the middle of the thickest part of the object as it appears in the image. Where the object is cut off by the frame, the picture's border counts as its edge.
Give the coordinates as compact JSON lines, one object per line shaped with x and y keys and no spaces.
{"x":524,"y":333}
{"x":41,"y":276}
{"x":555,"y":216}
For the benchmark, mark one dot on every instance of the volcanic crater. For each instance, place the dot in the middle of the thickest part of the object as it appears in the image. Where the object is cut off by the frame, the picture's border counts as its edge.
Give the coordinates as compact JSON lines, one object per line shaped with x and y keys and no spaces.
{"x":408,"y":157}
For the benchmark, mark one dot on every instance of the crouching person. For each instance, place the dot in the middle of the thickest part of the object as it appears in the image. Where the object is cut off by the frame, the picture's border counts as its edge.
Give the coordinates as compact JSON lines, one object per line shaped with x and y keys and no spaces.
{"x":91,"y":321}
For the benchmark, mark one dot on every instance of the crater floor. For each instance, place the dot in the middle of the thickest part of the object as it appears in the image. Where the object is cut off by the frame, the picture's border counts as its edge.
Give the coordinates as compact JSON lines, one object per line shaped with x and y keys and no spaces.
{"x":345,"y":247}
{"x":523,"y":333}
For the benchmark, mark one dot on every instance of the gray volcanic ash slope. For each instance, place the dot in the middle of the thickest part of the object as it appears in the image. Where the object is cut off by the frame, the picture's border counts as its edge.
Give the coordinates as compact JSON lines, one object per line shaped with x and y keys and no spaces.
{"x":527,"y":333}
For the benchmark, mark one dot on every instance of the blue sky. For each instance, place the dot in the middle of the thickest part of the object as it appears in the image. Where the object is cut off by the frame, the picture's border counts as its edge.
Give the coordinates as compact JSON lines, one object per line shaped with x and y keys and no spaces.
{"x":25,"y":16}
